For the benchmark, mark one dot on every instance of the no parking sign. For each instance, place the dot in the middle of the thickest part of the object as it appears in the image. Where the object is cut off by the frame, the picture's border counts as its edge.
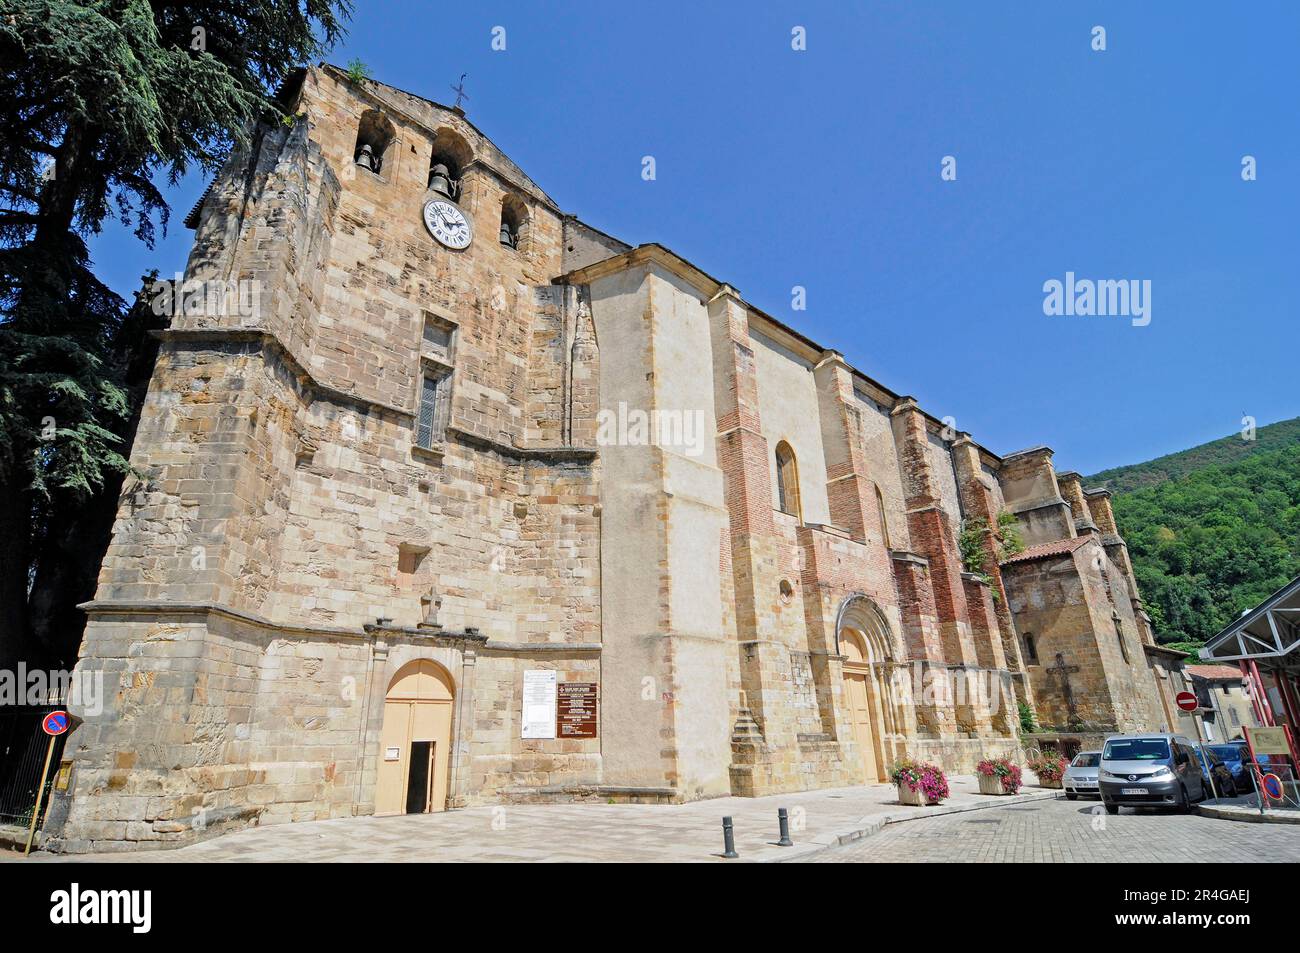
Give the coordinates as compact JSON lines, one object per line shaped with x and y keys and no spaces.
{"x":55,"y":723}
{"x":1272,"y":786}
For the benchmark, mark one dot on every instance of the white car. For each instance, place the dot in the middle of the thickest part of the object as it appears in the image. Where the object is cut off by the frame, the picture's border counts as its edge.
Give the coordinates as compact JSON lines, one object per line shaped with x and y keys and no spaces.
{"x":1081,"y":776}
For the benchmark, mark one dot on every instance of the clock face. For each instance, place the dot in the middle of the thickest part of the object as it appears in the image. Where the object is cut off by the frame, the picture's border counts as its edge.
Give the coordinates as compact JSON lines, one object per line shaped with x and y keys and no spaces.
{"x":447,"y":224}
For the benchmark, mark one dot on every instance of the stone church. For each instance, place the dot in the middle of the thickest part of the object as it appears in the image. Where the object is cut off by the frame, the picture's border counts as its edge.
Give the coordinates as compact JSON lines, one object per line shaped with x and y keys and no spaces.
{"x":477,"y":504}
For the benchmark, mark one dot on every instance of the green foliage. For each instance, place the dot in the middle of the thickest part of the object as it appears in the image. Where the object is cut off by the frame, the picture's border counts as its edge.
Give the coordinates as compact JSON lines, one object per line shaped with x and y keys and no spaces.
{"x":1010,"y":541}
{"x":970,"y":542}
{"x":357,"y":70}
{"x":1028,"y":721}
{"x":97,"y":99}
{"x":1215,"y":539}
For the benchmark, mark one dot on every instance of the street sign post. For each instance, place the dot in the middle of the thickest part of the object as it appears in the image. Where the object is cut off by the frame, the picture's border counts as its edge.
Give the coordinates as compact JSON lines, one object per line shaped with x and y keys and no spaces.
{"x":1275,"y":741}
{"x":1186,"y":701}
{"x":53,"y":724}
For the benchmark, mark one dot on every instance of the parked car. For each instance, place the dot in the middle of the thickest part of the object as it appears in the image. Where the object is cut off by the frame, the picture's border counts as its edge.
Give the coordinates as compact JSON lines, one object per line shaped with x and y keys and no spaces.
{"x":1155,"y":770}
{"x":1237,"y":758}
{"x":1243,"y":751}
{"x":1213,"y":767}
{"x":1081,"y":776}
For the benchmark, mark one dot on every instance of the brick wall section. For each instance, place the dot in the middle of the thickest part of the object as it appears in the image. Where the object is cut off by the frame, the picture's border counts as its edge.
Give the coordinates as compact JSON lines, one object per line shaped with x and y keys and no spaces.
{"x":849,"y":488}
{"x":932,"y":533}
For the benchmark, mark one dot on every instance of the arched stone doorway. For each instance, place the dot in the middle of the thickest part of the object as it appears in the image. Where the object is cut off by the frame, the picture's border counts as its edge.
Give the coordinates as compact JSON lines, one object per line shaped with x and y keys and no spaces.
{"x":864,"y":643}
{"x":415,"y":743}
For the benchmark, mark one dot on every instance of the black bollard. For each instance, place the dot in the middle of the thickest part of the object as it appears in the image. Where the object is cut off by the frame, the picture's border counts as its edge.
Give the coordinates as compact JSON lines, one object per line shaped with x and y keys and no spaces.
{"x":783,"y":819}
{"x":728,"y":839}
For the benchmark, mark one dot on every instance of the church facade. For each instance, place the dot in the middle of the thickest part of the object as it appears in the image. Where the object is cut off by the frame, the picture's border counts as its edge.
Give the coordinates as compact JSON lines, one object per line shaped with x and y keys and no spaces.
{"x":477,"y":504}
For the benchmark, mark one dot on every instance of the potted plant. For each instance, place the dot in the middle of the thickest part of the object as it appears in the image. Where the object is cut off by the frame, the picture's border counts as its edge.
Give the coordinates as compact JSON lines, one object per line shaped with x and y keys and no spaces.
{"x":998,"y":776}
{"x":1050,"y":768}
{"x":919,"y":783}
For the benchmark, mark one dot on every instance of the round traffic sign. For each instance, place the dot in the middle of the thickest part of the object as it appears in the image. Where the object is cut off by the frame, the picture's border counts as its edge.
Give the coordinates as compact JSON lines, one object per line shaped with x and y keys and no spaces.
{"x":55,"y":723}
{"x":1272,"y":786}
{"x":1186,"y":701}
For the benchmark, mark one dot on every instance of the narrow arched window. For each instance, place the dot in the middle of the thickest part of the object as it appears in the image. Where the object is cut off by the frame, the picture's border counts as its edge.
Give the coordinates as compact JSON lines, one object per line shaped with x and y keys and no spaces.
{"x":884,"y":520}
{"x":787,"y":480}
{"x":1031,"y":650}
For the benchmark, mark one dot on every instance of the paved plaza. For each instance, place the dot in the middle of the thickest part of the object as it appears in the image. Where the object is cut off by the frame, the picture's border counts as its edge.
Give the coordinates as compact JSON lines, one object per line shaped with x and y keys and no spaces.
{"x":1060,"y":831}
{"x":845,"y":825}
{"x":578,"y":832}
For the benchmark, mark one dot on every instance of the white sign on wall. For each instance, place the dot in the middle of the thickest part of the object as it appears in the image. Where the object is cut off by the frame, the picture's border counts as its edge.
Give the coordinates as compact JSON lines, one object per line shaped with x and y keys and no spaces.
{"x":539,"y":704}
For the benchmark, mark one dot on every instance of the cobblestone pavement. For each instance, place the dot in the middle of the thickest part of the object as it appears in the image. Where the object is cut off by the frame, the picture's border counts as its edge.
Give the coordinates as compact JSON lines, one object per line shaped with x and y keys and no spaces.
{"x":1063,"y":831}
{"x":574,"y":832}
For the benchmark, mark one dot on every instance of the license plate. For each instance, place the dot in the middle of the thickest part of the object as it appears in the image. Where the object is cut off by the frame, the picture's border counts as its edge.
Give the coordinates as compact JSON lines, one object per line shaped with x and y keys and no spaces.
{"x":1087,"y":784}
{"x":1133,"y":791}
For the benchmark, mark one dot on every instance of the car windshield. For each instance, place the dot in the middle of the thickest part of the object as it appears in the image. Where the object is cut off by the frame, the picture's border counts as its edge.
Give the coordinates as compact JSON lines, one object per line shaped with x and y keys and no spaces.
{"x":1087,"y":759}
{"x":1227,"y":752}
{"x":1136,"y":749}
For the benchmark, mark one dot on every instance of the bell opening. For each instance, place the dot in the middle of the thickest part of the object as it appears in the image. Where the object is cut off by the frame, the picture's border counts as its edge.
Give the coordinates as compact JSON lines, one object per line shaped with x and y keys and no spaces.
{"x":374,"y":135}
{"x":448,"y":157}
{"x":514,"y":222}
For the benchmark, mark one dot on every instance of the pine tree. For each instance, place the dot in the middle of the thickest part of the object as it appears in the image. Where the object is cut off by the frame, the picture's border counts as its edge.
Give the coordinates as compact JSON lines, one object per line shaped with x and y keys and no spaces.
{"x":97,"y":99}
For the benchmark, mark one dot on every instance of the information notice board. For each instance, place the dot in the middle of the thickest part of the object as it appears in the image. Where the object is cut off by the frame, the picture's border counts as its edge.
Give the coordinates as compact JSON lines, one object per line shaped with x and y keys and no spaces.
{"x":576,"y":710}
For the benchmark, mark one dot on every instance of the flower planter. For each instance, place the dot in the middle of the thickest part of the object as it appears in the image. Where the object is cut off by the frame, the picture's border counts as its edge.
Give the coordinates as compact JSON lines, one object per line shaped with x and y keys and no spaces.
{"x":919,"y":783}
{"x":907,"y":796}
{"x":1049,"y":770}
{"x":998,"y":776}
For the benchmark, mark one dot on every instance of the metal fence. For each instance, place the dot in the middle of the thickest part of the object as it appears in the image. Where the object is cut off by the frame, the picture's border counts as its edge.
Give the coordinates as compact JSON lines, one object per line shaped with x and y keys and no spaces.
{"x":22,"y":754}
{"x":1276,"y":786}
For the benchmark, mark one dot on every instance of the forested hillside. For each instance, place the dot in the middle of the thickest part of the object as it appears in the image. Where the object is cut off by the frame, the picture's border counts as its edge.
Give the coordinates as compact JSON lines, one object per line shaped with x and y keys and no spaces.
{"x":1211,"y":530}
{"x":1284,"y":433}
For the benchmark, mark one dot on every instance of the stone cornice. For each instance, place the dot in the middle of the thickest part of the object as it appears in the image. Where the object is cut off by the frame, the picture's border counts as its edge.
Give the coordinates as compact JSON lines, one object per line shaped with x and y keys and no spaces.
{"x":104,"y":608}
{"x":648,"y":254}
{"x":545,"y":648}
{"x":575,"y":454}
{"x":427,"y":634}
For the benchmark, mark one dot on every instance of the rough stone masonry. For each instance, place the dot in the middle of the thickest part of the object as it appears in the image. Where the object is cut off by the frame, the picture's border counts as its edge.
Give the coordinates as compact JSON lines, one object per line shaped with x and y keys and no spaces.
{"x":374,"y":512}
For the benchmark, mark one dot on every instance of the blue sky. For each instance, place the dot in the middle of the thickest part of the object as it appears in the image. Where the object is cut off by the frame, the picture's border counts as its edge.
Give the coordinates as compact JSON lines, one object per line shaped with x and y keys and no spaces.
{"x":821,"y":168}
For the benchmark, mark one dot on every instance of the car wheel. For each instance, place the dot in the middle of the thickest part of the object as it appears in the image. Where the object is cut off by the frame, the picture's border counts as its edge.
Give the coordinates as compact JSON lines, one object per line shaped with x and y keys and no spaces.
{"x":1111,"y":808}
{"x":1071,"y":796}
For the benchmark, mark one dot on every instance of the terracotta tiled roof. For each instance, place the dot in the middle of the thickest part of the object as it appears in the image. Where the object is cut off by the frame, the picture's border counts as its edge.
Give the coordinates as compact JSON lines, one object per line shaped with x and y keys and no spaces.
{"x":1214,"y":671}
{"x":1055,"y":548}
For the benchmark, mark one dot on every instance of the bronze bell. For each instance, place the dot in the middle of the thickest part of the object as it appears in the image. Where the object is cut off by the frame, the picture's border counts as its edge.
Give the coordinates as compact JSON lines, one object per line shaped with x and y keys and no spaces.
{"x":440,"y":179}
{"x":366,"y":157}
{"x":507,"y":237}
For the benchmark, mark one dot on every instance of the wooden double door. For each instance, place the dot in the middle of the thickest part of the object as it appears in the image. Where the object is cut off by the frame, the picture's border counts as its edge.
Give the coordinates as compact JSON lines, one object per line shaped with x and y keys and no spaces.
{"x":415,"y":742}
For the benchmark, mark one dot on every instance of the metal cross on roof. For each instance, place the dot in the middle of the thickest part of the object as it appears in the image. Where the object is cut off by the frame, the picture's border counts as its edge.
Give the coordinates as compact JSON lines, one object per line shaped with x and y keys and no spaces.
{"x":459,"y":90}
